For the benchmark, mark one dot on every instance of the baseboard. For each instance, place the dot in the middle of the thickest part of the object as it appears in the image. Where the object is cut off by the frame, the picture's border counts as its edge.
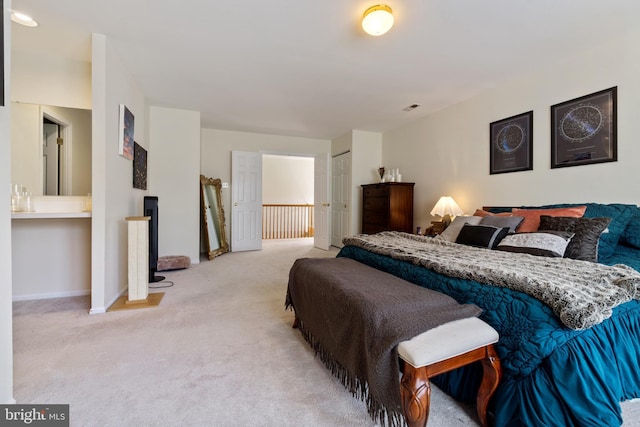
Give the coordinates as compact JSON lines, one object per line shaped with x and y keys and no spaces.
{"x":10,"y":402}
{"x":97,"y":310}
{"x":50,"y":295}
{"x":114,"y":299}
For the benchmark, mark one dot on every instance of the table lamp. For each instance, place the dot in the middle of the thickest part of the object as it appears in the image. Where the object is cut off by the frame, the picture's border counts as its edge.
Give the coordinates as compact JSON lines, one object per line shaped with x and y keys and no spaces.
{"x":446,"y":208}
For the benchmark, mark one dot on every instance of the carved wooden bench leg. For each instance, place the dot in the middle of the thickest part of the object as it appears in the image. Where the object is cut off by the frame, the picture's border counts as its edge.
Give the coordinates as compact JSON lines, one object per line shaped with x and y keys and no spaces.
{"x":415,"y":393}
{"x":415,"y":389}
{"x":491,"y":373}
{"x":443,"y":349}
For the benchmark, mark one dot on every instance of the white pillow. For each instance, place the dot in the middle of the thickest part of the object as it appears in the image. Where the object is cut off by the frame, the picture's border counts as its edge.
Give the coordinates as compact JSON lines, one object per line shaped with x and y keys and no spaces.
{"x":452,"y":231}
{"x":541,"y":243}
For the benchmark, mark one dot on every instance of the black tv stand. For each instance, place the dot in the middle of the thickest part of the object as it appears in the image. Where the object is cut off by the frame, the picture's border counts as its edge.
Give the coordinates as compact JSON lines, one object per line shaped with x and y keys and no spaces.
{"x":151,"y":210}
{"x":154,"y":278}
{"x":152,"y":275}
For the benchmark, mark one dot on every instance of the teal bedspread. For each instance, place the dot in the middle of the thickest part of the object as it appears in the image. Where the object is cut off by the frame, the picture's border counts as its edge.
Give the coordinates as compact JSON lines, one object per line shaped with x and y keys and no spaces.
{"x":552,"y":375}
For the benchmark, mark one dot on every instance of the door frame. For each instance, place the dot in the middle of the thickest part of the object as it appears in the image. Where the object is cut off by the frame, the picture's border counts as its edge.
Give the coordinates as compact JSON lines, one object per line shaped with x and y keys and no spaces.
{"x":66,"y":132}
{"x":308,"y":155}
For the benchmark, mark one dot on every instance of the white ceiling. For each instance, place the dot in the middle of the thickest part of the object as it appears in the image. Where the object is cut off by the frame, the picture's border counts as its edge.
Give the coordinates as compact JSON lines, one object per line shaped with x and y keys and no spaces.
{"x":303,"y":68}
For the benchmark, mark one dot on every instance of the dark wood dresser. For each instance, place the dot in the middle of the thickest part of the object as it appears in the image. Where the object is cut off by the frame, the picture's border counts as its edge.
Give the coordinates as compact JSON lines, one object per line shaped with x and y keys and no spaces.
{"x":387,"y":207}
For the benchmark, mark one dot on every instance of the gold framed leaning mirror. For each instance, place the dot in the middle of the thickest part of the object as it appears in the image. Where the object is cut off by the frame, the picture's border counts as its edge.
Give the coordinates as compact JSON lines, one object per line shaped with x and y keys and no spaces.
{"x":214,"y":235}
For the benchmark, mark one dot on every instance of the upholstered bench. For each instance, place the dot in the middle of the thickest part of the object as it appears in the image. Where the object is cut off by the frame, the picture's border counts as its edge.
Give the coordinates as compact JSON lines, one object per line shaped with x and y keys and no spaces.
{"x":442,"y":349}
{"x":365,"y":324}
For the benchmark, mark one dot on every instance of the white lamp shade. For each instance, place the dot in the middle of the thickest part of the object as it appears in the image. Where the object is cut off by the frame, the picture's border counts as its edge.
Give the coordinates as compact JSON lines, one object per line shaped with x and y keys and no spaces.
{"x":446,"y":206}
{"x":377,"y":20}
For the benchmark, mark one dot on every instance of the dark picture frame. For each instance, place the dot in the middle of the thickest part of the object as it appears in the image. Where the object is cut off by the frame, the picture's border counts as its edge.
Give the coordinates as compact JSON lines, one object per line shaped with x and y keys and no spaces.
{"x":139,"y":167}
{"x":511,"y":144}
{"x":584,"y":130}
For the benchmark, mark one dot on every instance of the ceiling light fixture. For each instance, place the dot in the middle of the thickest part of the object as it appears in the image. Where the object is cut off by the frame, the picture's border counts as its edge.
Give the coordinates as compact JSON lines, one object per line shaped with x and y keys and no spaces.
{"x":22,"y":19}
{"x":377,"y":20}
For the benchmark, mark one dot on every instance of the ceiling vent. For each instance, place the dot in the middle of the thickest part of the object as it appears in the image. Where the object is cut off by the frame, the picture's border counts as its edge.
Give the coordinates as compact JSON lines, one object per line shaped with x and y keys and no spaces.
{"x":411,"y":107}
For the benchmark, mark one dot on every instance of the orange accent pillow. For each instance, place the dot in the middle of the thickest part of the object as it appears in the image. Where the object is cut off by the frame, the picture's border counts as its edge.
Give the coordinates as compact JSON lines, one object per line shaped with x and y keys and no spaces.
{"x":532,"y":216}
{"x":480,"y":212}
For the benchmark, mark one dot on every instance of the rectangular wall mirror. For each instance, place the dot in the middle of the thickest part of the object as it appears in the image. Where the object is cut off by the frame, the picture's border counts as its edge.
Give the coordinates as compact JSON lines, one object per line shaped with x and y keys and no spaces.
{"x":51,"y":149}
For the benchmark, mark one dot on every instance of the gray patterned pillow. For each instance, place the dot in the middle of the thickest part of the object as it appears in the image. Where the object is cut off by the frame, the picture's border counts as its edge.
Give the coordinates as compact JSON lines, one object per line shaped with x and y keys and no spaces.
{"x":547,"y":243}
{"x":503,"y":221}
{"x":584,"y":244}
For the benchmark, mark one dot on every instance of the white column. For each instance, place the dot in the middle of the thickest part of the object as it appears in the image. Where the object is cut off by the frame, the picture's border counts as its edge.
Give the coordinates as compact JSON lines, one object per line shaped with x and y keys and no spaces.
{"x":138,"y":258}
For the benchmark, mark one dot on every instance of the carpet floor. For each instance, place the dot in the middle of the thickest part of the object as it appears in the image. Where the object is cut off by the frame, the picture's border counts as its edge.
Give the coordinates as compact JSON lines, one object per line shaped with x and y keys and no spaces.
{"x":219,"y":350}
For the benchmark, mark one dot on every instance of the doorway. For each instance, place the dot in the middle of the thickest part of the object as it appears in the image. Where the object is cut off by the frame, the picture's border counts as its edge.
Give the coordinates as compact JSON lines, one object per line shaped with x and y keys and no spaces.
{"x":55,"y":164}
{"x":287,"y":196}
{"x":279,"y":182}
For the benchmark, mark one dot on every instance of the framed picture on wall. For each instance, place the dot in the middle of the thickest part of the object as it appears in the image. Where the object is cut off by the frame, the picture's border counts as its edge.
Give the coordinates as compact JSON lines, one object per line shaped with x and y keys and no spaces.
{"x":125,"y":146}
{"x":584,"y":130}
{"x":139,"y":167}
{"x":511,"y":144}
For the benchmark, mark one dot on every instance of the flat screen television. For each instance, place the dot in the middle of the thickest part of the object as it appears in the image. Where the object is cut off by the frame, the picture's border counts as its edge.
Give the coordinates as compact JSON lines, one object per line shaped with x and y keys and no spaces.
{"x":151,"y":210}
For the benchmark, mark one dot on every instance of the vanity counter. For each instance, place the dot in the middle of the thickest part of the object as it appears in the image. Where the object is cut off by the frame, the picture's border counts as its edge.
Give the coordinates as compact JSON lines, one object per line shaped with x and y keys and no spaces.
{"x":49,"y":215}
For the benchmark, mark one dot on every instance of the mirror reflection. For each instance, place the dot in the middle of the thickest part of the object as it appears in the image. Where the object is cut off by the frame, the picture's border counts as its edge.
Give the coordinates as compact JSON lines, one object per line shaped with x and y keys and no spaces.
{"x":51,"y":149}
{"x":213,"y":231}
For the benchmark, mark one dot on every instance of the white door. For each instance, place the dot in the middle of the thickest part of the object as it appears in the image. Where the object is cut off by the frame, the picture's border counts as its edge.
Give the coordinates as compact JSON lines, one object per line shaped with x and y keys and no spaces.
{"x":246,"y":201}
{"x":50,"y":160}
{"x":321,"y":205}
{"x":340,"y":197}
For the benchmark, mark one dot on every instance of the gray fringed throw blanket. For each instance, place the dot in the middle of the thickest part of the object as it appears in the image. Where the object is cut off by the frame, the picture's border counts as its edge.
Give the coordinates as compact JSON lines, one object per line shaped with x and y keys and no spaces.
{"x":580,"y":293}
{"x":354,"y":316}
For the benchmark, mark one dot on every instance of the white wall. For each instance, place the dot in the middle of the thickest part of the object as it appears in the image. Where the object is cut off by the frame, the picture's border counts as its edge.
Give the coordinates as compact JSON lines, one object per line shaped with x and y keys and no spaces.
{"x":50,"y":80}
{"x":98,"y":172}
{"x":6,"y":310}
{"x":26,"y":139}
{"x":366,"y":158}
{"x":287,"y":180}
{"x":114,"y":197}
{"x":174,"y":176}
{"x":447,"y":153}
{"x":61,"y":249}
{"x":216,"y":147}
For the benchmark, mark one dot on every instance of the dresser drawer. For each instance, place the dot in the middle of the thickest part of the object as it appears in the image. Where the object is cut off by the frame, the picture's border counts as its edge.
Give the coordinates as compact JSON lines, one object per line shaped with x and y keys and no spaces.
{"x":377,"y":204}
{"x":375,"y":217}
{"x":376,"y":191}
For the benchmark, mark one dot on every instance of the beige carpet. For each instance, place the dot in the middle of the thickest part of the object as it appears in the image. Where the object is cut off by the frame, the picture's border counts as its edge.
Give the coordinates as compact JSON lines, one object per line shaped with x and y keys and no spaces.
{"x":219,"y":350}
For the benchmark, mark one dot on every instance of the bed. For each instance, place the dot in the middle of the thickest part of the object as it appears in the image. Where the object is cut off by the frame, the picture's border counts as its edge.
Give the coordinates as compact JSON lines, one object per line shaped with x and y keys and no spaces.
{"x":553,"y":375}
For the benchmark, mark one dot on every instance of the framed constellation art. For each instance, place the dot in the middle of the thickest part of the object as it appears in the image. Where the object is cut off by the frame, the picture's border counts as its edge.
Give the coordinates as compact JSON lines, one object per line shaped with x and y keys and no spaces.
{"x":584,"y":130}
{"x":512,"y":144}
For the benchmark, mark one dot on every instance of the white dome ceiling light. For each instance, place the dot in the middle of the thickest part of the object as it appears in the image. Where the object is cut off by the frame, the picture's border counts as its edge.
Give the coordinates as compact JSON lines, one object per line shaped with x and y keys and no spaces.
{"x":22,"y":19}
{"x":377,"y":20}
